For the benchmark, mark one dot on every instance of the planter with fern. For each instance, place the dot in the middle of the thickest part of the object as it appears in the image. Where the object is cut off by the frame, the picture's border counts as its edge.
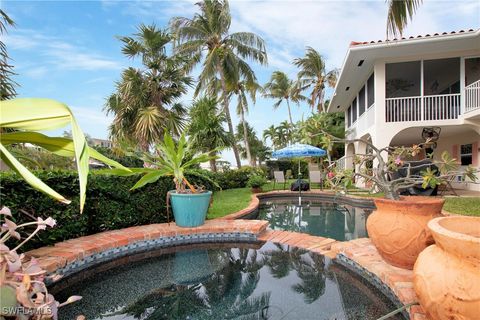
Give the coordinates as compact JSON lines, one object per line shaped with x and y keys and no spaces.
{"x":256,"y":182}
{"x":189,"y":202}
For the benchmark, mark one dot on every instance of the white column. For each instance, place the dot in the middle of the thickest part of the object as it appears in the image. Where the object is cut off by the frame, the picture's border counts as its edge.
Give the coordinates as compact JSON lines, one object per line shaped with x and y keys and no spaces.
{"x":462,"y":85}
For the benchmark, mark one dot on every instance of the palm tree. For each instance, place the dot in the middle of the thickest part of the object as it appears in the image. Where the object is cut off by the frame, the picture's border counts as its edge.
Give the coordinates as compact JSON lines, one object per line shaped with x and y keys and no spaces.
{"x":314,"y":76}
{"x":399,"y":12}
{"x":206,"y":132}
{"x":208,"y":31}
{"x":280,"y":87}
{"x":241,"y":89}
{"x":145,"y":102}
{"x":7,"y":84}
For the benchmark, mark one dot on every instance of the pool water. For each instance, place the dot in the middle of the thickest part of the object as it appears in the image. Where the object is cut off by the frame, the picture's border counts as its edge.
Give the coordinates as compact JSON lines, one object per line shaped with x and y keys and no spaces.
{"x":246,"y":281}
{"x":326,"y":219}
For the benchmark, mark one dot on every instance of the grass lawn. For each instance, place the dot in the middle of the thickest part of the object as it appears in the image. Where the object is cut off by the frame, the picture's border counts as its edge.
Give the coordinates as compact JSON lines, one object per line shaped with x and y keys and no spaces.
{"x":463,"y":205}
{"x":229,"y":201}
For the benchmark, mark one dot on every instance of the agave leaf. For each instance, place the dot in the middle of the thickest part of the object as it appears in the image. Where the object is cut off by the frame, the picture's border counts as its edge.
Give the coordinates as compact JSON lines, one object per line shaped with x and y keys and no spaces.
{"x":29,"y":177}
{"x":150,"y":178}
{"x":34,"y":114}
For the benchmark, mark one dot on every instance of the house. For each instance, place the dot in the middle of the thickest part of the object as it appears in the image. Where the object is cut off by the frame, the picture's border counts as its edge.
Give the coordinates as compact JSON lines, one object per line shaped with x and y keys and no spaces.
{"x":101,"y":143}
{"x":400,"y":91}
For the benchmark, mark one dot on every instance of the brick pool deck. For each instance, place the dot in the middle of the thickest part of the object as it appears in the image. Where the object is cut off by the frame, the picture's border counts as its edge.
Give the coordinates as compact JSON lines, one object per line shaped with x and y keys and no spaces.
{"x":359,"y":252}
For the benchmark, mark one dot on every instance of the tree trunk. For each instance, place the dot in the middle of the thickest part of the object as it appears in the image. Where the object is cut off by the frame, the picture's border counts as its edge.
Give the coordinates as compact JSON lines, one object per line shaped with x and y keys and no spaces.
{"x":245,"y":138}
{"x":227,"y":114}
{"x":289,"y":112}
{"x":213,"y":162}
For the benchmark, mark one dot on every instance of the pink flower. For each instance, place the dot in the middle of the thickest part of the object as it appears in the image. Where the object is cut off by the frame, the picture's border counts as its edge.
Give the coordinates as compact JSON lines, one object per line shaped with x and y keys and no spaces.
{"x":42,"y":224}
{"x":330,"y":175}
{"x":398,"y":161}
{"x":6,"y":211}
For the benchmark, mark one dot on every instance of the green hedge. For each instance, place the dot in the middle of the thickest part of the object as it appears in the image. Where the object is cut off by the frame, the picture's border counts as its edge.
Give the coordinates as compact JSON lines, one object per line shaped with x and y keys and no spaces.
{"x":284,"y":165}
{"x":110,"y":204}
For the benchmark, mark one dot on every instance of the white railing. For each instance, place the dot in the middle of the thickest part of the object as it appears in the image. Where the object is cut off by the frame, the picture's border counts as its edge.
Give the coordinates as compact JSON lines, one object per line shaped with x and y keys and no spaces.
{"x":340,"y":163}
{"x":472,"y":96}
{"x":403,"y":109}
{"x":437,"y":107}
{"x":441,"y":107}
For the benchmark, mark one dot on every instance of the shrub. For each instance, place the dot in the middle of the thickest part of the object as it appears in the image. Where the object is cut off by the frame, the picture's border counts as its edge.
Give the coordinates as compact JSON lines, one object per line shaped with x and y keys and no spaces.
{"x":256,"y":181}
{"x":110,"y":203}
{"x":237,"y":178}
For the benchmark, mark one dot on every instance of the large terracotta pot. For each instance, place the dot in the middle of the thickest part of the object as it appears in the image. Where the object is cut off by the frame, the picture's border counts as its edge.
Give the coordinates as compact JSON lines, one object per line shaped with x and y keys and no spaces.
{"x":398,"y":228}
{"x":447,"y":274}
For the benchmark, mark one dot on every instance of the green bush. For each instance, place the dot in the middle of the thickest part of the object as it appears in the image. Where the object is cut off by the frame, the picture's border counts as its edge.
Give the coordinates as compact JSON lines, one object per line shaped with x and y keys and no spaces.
{"x":237,"y":178}
{"x":256,"y":181}
{"x":110,"y":204}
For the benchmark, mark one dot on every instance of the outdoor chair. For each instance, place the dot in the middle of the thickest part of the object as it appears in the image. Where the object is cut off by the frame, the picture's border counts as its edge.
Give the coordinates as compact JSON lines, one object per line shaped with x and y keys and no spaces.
{"x":315,"y":177}
{"x":288,"y":174}
{"x":446,"y":186}
{"x":279,"y":177}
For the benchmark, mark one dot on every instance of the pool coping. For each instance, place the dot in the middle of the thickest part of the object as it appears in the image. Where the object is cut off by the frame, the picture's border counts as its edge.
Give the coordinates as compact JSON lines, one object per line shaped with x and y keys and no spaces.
{"x":315,"y":194}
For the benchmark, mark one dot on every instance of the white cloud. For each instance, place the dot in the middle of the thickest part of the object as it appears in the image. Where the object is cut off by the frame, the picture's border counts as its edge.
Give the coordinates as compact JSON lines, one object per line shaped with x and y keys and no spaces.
{"x":91,"y":116}
{"x":59,"y":53}
{"x":36,"y":72}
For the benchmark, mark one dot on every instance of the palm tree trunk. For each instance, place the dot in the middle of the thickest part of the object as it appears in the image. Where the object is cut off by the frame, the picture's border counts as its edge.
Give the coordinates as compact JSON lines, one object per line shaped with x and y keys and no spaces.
{"x":213,"y":162}
{"x":227,"y":114}
{"x":245,"y":137}
{"x":289,"y":112}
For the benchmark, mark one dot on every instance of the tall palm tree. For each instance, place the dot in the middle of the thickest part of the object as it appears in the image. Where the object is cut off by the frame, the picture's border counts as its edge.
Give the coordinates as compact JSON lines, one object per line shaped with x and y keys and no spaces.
{"x":7,"y":84}
{"x":241,"y":89}
{"x":145,"y":103}
{"x":399,"y":12}
{"x":205,"y":131}
{"x":280,"y":87}
{"x":313,"y":75}
{"x":225,"y":53}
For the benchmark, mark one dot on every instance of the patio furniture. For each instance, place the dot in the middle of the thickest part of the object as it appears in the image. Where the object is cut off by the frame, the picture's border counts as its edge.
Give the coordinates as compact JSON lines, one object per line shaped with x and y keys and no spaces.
{"x":446,"y":186}
{"x":315,"y":177}
{"x":278,"y":176}
{"x":299,"y":150}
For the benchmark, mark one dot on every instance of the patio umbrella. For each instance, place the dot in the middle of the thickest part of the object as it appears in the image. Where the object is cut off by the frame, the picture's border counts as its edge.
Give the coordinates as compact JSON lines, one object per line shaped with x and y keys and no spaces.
{"x":299,"y":150}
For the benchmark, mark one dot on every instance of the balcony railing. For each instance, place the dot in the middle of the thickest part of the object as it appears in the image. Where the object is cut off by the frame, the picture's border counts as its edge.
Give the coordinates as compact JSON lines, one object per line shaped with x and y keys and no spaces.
{"x":436,"y":107}
{"x":472,"y":96}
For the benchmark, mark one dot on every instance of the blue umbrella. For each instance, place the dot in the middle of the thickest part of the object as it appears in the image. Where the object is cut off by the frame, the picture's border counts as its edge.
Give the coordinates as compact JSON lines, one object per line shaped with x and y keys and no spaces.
{"x":299,"y":150}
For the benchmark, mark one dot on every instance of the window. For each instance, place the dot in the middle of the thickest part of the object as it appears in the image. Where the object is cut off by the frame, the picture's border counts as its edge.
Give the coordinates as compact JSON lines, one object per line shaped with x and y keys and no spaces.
{"x":349,"y":116}
{"x":354,"y":110}
{"x":361,"y":101}
{"x":472,"y":70}
{"x":441,"y":76}
{"x":371,"y":90}
{"x":466,"y":154}
{"x":403,"y":79}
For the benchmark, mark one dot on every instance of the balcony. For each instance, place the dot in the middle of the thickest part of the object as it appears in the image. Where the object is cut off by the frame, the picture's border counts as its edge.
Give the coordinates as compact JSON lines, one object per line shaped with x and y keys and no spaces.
{"x":435,"y":107}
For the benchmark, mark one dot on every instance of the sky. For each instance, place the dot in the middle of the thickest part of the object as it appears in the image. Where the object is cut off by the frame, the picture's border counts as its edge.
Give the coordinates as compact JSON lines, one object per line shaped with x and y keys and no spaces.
{"x":69,"y":51}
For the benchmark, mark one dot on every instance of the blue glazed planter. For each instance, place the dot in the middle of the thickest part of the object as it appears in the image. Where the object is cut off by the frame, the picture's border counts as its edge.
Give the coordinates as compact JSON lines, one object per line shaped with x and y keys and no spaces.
{"x":190,"y":209}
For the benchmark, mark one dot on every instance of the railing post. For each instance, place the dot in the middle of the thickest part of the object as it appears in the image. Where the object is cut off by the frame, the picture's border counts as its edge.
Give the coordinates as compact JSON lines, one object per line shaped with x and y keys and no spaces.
{"x":421,"y":92}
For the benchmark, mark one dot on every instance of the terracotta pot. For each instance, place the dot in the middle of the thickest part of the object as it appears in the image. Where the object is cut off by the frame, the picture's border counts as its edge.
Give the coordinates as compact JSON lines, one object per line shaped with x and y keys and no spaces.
{"x":447,"y":274}
{"x":257,"y":190}
{"x":398,"y":228}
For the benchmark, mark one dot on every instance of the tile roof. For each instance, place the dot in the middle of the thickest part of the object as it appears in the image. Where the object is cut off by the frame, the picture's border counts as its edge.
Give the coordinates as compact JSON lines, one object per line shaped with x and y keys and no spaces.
{"x":355,"y":43}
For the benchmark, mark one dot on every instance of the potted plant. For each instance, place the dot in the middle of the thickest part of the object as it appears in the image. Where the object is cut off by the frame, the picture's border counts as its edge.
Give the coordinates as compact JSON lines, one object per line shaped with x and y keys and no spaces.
{"x":398,"y":226}
{"x":189,"y":202}
{"x":447,"y":274}
{"x":256,"y":182}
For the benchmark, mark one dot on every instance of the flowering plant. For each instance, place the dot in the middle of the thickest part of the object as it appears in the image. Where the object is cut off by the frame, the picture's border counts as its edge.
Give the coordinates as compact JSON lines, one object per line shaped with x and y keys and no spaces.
{"x":397,"y":170}
{"x":23,"y":292}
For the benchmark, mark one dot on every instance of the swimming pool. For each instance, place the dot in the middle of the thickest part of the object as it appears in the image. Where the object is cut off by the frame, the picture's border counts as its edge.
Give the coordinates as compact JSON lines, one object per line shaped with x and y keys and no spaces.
{"x":317,"y":217}
{"x":222,"y":281}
